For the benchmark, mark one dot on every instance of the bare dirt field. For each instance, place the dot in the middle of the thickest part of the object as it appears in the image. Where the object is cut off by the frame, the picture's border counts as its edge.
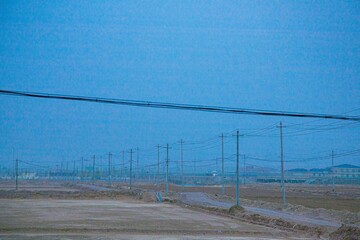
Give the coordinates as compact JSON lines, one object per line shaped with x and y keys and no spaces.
{"x":115,"y":217}
{"x":123,"y":218}
{"x":67,"y":210}
{"x":36,"y":185}
{"x":311,"y":196}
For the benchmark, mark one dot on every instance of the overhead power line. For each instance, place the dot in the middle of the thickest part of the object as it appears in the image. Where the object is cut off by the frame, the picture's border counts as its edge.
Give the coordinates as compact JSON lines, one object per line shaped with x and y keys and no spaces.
{"x":179,"y":106}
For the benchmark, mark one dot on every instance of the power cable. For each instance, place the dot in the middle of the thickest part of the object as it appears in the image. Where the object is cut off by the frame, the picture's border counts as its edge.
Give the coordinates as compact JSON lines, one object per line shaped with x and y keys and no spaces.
{"x":178,"y":106}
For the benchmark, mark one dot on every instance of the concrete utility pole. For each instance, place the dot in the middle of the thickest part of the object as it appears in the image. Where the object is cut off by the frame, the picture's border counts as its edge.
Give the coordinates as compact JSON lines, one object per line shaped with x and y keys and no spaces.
{"x":244,"y":169}
{"x":237,"y":168}
{"x":222,"y":165}
{"x":167,"y":170}
{"x":131,"y":168}
{"x":123,"y":164}
{"x":332,"y":171}
{"x":16,"y":173}
{"x":74,"y":171}
{"x":93,"y":170}
{"x":282,"y":167}
{"x":158,"y":160}
{"x":109,"y":182}
{"x":67,"y":170}
{"x":82,"y":168}
{"x":182,"y":163}
{"x":137,"y":164}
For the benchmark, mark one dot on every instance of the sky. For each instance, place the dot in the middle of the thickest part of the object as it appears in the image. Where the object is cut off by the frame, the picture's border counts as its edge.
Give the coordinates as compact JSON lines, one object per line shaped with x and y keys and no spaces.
{"x":301,"y":56}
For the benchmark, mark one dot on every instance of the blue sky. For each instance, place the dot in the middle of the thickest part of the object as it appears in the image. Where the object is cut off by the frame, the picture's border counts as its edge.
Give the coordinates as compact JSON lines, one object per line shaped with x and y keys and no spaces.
{"x":282,"y":55}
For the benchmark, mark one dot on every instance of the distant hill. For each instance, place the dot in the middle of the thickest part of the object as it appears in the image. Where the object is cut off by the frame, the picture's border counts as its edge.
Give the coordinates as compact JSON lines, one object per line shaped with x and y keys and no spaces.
{"x":346,"y":166}
{"x":322,"y":169}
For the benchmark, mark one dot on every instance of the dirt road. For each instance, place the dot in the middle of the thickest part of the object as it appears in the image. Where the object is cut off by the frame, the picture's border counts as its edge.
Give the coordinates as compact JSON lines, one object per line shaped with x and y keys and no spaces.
{"x":310,"y":196}
{"x":201,"y":199}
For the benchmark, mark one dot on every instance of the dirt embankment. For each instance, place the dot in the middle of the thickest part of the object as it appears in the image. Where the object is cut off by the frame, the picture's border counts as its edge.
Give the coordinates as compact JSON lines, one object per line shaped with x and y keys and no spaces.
{"x":310,"y":196}
{"x":80,"y":192}
{"x":346,"y":233}
{"x":241,"y":214}
{"x":341,"y":216}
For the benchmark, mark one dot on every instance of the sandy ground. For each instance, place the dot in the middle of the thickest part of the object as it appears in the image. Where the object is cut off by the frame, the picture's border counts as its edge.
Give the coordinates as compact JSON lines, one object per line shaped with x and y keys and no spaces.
{"x":131,"y":237}
{"x":307,"y":204}
{"x":36,"y":185}
{"x":121,"y":219}
{"x":202,"y":199}
{"x":82,"y":210}
{"x":345,"y":198}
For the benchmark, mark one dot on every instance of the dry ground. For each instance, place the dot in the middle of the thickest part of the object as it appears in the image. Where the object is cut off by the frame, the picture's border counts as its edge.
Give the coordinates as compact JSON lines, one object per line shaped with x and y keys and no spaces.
{"x":124,"y":218}
{"x":311,"y":196}
{"x":61,"y":210}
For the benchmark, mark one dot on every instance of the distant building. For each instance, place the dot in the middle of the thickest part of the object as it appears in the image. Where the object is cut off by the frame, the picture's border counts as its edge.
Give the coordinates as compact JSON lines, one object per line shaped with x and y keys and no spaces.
{"x":343,"y":174}
{"x":258,"y":170}
{"x":347,"y":171}
{"x":319,"y":172}
{"x":298,"y":172}
{"x":28,"y":175}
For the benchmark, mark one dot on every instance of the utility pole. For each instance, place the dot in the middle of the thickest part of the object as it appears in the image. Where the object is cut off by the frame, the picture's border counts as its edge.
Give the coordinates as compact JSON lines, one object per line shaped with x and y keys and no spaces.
{"x":13,"y":157}
{"x":216,"y":164}
{"x":244,"y":169}
{"x":332,"y":171}
{"x":130,"y":168}
{"x":167,"y":170}
{"x":109,"y":182}
{"x":123,"y":164}
{"x":282,"y":167}
{"x":158,"y":161}
{"x":182,"y":163}
{"x":67,"y":170}
{"x":222,"y":165}
{"x":74,"y":172}
{"x":82,"y":168}
{"x":237,"y":168}
{"x":13,"y":153}
{"x":16,"y":173}
{"x":94,"y":168}
{"x":137,"y":164}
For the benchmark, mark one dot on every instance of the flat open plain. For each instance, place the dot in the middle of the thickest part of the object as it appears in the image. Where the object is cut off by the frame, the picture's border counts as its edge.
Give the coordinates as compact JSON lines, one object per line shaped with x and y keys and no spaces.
{"x":62,"y":210}
{"x":119,"y":219}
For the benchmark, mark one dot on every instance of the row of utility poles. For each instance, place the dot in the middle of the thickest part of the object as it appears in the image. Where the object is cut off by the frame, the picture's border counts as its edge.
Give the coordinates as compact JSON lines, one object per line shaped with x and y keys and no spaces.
{"x":283,"y":191}
{"x":167,"y":167}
